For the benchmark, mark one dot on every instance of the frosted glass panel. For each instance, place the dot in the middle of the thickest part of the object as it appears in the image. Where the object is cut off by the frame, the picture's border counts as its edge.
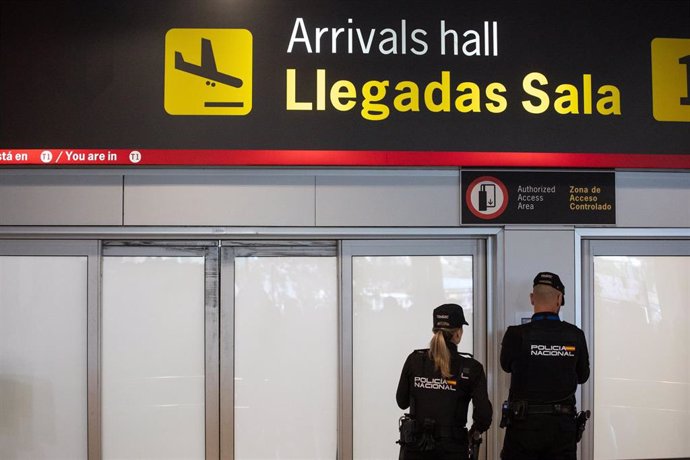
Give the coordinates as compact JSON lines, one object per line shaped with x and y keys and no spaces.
{"x":43,"y":307}
{"x":393,"y":299}
{"x":153,"y":358}
{"x":642,"y":369}
{"x":286,"y":358}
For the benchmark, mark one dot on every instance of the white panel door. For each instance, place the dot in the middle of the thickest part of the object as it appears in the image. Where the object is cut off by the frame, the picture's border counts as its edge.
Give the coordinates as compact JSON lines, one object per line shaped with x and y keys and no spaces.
{"x":153,"y":357}
{"x":43,"y":357}
{"x":642,"y":373}
{"x":640,"y":322}
{"x":394,"y":288}
{"x":285,"y":357}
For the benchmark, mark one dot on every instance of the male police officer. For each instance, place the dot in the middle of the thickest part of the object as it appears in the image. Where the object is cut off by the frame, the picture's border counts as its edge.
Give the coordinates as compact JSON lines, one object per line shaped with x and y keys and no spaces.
{"x":547,"y":358}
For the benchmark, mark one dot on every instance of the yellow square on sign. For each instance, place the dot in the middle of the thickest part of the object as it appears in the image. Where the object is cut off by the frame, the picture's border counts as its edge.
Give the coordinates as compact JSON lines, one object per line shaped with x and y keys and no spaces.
{"x":671,"y":79}
{"x":208,"y":72}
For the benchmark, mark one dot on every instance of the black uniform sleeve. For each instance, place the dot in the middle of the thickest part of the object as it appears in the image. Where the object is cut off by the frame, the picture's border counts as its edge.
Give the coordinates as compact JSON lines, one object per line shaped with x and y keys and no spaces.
{"x":483,"y":411}
{"x":402,"y":396}
{"x":582,"y":368}
{"x":510,"y":348}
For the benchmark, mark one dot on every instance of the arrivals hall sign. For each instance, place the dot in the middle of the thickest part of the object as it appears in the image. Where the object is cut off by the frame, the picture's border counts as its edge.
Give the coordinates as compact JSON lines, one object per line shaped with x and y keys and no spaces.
{"x":376,"y":83}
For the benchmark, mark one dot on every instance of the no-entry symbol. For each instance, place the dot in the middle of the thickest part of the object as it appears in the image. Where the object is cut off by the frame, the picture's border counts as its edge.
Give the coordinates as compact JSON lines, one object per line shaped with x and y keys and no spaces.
{"x":487,"y":197}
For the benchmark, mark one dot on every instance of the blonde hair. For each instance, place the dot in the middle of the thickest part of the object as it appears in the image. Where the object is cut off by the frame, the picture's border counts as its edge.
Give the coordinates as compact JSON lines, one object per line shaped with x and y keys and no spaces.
{"x":438,"y":350}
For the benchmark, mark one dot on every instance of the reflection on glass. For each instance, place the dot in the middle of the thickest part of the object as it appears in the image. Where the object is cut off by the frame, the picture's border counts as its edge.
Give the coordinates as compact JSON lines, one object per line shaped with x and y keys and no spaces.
{"x":641,"y":348}
{"x":286,"y":358}
{"x":43,"y":358}
{"x":153,"y":358}
{"x":393,"y":297}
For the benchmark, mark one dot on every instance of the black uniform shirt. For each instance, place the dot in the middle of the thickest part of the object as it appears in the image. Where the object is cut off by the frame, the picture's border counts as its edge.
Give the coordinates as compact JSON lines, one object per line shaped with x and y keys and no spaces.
{"x":547,"y":358}
{"x":429,"y":395}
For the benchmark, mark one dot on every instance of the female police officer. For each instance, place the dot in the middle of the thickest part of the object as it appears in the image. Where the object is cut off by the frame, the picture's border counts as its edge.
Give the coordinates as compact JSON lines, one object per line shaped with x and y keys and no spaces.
{"x":437,"y":385}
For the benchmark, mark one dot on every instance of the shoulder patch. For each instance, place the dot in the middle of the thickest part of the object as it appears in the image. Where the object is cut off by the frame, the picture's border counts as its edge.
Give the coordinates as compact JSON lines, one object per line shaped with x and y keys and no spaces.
{"x":466,"y":355}
{"x":465,"y":373}
{"x":422,"y":350}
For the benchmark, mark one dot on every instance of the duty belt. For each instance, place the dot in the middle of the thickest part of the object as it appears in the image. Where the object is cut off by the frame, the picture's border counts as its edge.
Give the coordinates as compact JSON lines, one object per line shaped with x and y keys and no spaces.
{"x":450,"y":431}
{"x":556,"y":409}
{"x":519,"y":410}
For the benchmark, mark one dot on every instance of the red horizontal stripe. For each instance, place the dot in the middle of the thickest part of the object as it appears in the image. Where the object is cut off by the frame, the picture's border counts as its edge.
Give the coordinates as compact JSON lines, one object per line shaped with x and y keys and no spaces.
{"x":182,"y":157}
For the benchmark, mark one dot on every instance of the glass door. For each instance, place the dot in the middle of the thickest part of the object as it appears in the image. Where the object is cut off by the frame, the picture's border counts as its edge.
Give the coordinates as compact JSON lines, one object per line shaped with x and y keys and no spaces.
{"x":638,"y":321}
{"x":205,"y":350}
{"x":279,"y":355}
{"x":48,"y":336}
{"x":159,"y":352}
{"x":389,"y":291}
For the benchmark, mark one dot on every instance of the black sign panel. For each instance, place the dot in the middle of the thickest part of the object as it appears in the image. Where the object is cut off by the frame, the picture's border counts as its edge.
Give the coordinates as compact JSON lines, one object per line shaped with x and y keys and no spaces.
{"x":491,"y":197}
{"x":431,"y":76}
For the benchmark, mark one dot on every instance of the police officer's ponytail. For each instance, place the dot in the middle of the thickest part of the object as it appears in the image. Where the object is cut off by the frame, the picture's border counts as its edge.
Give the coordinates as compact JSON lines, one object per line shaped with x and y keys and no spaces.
{"x":438,"y":350}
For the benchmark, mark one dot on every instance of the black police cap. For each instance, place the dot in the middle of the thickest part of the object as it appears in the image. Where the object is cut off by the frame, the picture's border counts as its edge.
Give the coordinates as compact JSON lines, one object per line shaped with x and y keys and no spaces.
{"x":449,"y":316}
{"x":550,"y":279}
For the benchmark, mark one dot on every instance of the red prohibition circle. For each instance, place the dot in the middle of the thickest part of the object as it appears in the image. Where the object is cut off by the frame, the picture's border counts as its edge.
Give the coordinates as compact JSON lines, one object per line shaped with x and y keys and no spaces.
{"x":468,"y":197}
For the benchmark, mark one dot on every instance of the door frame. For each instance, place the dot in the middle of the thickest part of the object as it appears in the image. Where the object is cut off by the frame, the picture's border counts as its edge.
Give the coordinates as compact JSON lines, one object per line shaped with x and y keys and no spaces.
{"x":590,"y":243}
{"x":91,"y":249}
{"x":230,"y":249}
{"x":475,"y":247}
{"x":113,"y":240}
{"x":209,"y":251}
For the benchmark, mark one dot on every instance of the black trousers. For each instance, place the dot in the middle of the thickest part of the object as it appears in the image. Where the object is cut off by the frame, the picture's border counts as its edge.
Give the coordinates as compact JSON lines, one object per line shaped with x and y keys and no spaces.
{"x":541,"y":437}
{"x":446,"y":449}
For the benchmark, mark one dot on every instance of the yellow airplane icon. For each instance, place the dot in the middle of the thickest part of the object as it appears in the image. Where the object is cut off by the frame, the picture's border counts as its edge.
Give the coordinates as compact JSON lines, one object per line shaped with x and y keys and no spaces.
{"x":227,"y":91}
{"x":208,"y":68}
